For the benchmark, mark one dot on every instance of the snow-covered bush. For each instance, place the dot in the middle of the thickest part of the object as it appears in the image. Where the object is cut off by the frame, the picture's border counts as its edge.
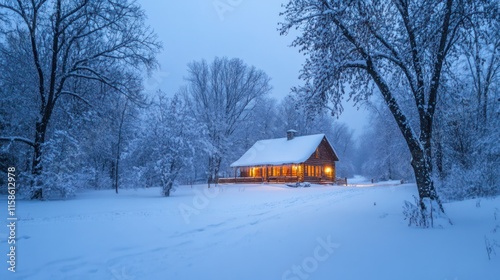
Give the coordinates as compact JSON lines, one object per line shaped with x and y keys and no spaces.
{"x":413,"y":214}
{"x":471,"y":183}
{"x":470,"y":159}
{"x":62,"y":174}
{"x":492,"y":240}
{"x":430,"y":217}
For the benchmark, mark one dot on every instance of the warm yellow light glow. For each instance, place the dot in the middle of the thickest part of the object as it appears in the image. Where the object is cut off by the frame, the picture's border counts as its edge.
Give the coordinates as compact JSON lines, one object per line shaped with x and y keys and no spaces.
{"x":328,"y":170}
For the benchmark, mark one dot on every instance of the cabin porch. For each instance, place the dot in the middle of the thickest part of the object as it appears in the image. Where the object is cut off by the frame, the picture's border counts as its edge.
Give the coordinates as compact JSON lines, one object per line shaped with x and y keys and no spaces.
{"x":282,"y":174}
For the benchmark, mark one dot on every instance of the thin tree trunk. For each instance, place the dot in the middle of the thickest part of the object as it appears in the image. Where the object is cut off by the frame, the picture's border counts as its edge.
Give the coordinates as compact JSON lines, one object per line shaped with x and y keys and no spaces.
{"x":218,"y":161}
{"x":439,"y":158}
{"x":214,"y":163}
{"x":118,"y":147}
{"x":210,"y":172}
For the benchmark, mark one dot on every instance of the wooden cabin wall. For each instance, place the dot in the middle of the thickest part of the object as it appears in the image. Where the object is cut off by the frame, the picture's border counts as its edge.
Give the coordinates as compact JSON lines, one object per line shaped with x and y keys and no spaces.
{"x":324,"y":156}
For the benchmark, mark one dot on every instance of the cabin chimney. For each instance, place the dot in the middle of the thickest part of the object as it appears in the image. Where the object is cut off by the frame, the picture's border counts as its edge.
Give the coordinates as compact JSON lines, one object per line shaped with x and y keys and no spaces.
{"x":290,"y":134}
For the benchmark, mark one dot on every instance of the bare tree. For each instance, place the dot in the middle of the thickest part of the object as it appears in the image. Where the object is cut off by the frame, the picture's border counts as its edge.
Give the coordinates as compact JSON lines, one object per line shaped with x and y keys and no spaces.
{"x":397,"y":47}
{"x":293,"y":115}
{"x":385,"y":154}
{"x":481,"y":48}
{"x":222,"y":96}
{"x":68,"y":41}
{"x":466,"y":127}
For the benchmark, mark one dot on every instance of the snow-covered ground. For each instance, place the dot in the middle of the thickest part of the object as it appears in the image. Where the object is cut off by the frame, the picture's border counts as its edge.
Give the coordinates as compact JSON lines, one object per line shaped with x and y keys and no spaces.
{"x":247,"y":232}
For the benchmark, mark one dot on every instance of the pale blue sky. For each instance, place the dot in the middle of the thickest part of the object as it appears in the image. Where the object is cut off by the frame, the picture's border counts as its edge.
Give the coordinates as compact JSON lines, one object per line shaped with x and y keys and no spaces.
{"x":202,"y":29}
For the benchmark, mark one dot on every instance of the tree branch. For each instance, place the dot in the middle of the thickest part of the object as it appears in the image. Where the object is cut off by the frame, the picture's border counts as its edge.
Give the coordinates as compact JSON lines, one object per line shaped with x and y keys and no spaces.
{"x":18,"y":139}
{"x":76,"y":96}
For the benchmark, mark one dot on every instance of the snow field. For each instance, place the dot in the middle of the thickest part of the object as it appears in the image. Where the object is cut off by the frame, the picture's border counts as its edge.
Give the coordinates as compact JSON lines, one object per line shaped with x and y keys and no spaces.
{"x":248,"y":232}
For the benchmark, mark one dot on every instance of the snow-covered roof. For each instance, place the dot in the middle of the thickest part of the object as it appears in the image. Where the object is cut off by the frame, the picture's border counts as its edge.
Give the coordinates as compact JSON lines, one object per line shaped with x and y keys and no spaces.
{"x":280,"y":151}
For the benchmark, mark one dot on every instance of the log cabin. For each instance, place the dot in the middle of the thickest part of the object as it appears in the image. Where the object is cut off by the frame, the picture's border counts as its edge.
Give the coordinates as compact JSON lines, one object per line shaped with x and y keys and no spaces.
{"x":309,"y":158}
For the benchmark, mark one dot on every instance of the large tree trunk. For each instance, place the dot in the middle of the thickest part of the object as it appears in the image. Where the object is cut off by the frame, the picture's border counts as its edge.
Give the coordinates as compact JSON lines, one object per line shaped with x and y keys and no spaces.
{"x":420,"y":147}
{"x":47,"y":98}
{"x":422,"y":166}
{"x":431,"y":208}
{"x":166,"y":188}
{"x":36,"y":166}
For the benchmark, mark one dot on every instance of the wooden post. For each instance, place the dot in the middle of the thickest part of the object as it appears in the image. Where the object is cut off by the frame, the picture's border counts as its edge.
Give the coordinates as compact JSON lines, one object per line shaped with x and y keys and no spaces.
{"x":264,"y":174}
